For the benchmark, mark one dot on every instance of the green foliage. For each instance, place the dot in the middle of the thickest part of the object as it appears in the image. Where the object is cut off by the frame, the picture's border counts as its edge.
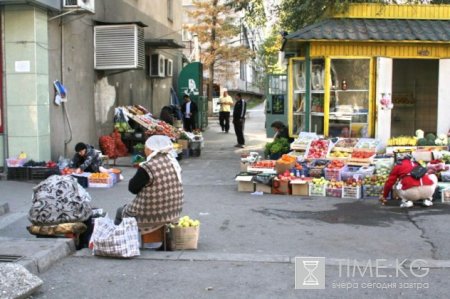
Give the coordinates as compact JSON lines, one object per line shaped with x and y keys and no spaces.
{"x":279,"y":145}
{"x":422,"y":142}
{"x":430,"y":136}
{"x":295,"y":14}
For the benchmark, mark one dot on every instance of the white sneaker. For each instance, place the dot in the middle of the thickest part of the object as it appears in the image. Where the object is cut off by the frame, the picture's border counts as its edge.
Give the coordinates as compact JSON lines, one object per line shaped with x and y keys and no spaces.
{"x":406,"y":204}
{"x":427,"y":203}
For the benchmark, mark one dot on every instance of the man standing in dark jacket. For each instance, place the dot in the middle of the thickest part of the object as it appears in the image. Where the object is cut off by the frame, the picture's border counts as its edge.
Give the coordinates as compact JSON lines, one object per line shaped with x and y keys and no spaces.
{"x":240,"y":108}
{"x":189,"y":110}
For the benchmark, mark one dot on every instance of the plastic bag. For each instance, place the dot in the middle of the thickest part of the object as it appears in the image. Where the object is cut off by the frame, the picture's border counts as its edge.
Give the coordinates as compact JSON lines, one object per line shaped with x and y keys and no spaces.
{"x":115,"y":240}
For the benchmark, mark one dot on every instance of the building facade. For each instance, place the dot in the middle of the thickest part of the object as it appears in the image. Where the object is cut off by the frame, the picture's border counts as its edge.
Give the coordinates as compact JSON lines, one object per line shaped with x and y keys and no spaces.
{"x":48,"y":40}
{"x":346,"y":71}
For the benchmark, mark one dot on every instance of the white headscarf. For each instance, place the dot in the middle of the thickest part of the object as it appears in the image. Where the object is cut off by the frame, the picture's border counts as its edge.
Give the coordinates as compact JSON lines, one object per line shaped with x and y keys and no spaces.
{"x":160,"y":144}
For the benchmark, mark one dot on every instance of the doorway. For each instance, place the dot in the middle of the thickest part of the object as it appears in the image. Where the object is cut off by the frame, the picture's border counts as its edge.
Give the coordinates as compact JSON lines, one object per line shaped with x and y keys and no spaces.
{"x":414,"y":95}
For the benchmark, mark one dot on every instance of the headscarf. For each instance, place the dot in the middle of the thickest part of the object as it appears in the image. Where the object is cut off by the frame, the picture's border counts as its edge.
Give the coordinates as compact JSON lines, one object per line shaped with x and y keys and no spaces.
{"x":160,"y":144}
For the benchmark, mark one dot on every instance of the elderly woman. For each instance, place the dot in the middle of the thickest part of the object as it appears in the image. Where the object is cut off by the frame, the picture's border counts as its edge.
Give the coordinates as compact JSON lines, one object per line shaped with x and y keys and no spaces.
{"x":157,"y":185}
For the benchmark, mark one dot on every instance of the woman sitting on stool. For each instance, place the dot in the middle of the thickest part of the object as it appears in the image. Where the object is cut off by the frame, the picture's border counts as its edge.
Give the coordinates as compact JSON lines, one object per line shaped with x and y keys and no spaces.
{"x":157,"y":185}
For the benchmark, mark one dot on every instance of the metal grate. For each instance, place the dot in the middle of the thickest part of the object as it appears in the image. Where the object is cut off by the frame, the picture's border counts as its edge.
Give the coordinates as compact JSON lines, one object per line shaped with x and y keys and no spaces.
{"x":9,"y":258}
{"x":119,"y":47}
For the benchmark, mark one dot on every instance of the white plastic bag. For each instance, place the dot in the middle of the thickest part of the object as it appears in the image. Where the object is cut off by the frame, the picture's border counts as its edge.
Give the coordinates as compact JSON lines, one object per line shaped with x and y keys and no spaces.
{"x":115,"y":240}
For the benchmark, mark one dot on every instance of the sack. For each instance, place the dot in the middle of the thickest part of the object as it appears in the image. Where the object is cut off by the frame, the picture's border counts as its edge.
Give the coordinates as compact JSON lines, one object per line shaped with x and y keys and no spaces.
{"x":115,"y":240}
{"x":59,"y":199}
{"x":418,"y":172}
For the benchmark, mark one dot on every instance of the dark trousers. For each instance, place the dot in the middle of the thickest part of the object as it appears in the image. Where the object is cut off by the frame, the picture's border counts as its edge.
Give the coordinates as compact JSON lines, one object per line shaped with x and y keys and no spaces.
{"x":239,"y":130}
{"x":189,"y":124}
{"x":224,"y":120}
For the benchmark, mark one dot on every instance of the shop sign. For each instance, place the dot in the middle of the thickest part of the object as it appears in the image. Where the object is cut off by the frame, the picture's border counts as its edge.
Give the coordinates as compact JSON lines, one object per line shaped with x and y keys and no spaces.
{"x":423,"y":53}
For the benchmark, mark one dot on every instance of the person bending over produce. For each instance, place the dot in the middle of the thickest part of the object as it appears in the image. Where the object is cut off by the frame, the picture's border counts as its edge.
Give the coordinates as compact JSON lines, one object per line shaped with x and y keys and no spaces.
{"x":87,"y":159}
{"x":157,"y":185}
{"x":281,"y":131}
{"x":409,"y":189}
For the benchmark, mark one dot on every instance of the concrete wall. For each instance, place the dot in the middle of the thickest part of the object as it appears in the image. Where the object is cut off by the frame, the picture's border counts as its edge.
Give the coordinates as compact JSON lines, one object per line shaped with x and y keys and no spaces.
{"x":92,"y":95}
{"x":26,"y":78}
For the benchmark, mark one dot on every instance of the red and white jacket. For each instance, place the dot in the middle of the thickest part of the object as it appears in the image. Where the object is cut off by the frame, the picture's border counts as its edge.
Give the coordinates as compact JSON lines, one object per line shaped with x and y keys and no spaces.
{"x":401,"y":171}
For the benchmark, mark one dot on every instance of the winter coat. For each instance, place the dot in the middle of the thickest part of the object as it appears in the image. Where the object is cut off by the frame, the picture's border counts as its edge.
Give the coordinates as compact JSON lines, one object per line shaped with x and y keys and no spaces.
{"x":401,"y":172}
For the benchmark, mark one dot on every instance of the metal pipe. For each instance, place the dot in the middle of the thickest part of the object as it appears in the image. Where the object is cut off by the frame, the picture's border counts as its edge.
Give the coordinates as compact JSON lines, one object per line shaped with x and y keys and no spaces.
{"x":4,"y":111}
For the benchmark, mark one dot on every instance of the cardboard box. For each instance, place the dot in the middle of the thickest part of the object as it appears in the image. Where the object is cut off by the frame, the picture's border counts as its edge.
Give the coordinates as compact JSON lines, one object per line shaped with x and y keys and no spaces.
{"x":300,"y":187}
{"x":245,"y":183}
{"x":182,"y":238}
{"x":281,"y":187}
{"x":183,"y":143}
{"x":422,"y":155}
{"x":263,"y":188}
{"x":282,"y":167}
{"x":244,"y":166}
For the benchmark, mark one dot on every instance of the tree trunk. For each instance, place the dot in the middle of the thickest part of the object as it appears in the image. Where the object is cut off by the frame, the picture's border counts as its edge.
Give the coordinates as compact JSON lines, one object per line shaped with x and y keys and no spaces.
{"x":210,"y":81}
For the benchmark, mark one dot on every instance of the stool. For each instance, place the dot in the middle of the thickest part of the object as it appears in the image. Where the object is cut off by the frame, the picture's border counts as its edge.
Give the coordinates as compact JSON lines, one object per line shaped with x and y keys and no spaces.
{"x":152,"y":235}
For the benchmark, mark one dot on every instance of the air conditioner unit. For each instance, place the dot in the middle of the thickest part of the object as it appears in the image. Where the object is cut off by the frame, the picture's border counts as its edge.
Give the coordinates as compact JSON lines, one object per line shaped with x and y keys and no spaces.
{"x":88,"y":5}
{"x":169,"y":67}
{"x":157,"y":66}
{"x":119,"y":47}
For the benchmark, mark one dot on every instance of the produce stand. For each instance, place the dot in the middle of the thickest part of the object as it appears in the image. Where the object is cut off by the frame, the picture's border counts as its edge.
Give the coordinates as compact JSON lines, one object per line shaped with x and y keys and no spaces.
{"x":317,"y":174}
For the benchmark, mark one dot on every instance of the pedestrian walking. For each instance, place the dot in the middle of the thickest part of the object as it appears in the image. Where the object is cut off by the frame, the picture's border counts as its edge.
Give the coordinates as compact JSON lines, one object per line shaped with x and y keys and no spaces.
{"x":225,"y":102}
{"x":189,"y":110}
{"x":240,"y":108}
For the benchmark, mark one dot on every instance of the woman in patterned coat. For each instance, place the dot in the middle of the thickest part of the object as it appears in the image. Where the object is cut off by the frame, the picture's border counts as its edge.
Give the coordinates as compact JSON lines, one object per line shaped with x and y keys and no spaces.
{"x":157,"y":185}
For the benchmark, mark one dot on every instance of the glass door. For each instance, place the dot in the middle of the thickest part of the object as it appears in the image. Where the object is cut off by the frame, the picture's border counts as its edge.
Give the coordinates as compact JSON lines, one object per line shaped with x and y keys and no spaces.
{"x":298,"y":94}
{"x":349,"y":98}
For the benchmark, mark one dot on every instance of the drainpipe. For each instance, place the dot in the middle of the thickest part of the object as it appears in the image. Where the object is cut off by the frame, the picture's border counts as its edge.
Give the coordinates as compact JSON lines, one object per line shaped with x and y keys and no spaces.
{"x":4,"y":119}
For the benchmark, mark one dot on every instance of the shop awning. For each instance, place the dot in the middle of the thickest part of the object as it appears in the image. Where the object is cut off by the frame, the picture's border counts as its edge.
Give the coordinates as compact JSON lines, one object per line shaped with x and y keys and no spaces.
{"x":163,"y":43}
{"x":346,"y":29}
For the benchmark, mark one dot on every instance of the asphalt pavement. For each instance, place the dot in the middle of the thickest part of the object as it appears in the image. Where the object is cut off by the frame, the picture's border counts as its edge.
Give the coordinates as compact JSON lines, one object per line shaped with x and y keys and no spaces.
{"x":248,"y":243}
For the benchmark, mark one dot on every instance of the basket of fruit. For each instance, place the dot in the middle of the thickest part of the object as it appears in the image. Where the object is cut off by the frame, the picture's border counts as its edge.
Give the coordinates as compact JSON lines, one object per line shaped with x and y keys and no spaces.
{"x":100,"y":180}
{"x":350,"y":172}
{"x":334,"y":189}
{"x":352,"y":188}
{"x":365,"y":171}
{"x":318,"y":149}
{"x":345,"y":145}
{"x":333,"y":170}
{"x":316,"y":168}
{"x":318,"y":187}
{"x":184,"y":234}
{"x":384,"y":166}
{"x":362,"y":156}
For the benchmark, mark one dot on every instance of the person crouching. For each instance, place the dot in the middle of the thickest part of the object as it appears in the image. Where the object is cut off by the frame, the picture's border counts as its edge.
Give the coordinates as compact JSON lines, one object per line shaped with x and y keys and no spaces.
{"x":408,"y":188}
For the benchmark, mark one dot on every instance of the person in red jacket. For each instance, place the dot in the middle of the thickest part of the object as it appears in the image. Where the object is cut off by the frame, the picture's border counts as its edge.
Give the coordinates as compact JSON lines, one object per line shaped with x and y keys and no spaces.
{"x":408,"y":188}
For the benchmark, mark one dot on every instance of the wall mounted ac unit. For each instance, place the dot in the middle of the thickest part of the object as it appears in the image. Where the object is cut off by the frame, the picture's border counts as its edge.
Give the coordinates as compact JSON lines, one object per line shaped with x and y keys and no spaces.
{"x":119,"y":47}
{"x":88,"y":5}
{"x":157,"y":66}
{"x":169,"y":67}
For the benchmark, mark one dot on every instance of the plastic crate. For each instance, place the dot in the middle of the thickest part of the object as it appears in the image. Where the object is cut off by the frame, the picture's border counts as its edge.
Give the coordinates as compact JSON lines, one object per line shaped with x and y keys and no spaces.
{"x":351,"y":192}
{"x":350,"y":172}
{"x":445,"y":176}
{"x":103,"y":183}
{"x":333,"y":174}
{"x":372,"y":192}
{"x":317,"y":171}
{"x":317,"y":190}
{"x":18,"y":173}
{"x":334,"y":192}
{"x":366,"y":171}
{"x":41,"y":173}
{"x":13,"y":162}
{"x":445,"y":195}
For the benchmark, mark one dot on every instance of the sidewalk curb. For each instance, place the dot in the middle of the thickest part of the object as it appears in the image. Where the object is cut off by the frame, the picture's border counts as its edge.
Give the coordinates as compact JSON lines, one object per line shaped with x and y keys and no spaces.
{"x":260,"y":258}
{"x":38,"y":254}
{"x":4,"y":208}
